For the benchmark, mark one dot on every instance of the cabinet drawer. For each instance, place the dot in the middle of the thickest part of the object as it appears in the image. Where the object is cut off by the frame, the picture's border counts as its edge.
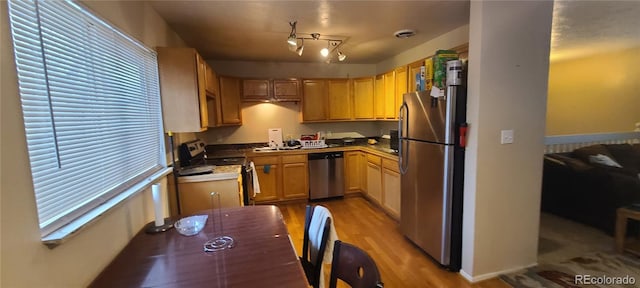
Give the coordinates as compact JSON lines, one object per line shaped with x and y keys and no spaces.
{"x":294,"y":158}
{"x":264,"y":160}
{"x":390,"y":164}
{"x":374,"y":159}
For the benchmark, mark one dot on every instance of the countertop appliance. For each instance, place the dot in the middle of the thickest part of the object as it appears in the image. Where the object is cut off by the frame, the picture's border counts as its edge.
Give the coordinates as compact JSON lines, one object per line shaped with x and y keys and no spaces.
{"x":326,"y":175}
{"x":431,"y":164}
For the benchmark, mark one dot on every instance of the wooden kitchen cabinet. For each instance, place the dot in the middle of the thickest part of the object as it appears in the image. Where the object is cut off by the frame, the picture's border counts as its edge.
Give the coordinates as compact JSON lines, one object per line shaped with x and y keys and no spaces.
{"x":379,"y":97}
{"x":196,"y":196}
{"x":340,"y":100}
{"x":314,"y":100}
{"x":286,"y":89}
{"x":355,"y":171}
{"x":363,"y":101}
{"x":374,"y":178}
{"x":281,"y":178}
{"x":255,"y":90}
{"x":414,"y":68}
{"x":183,"y":89}
{"x":211,"y":80}
{"x":391,"y":187}
{"x":390,"y":95}
{"x":401,"y":86}
{"x":267,"y":169}
{"x":295,"y":177}
{"x":229,"y":103}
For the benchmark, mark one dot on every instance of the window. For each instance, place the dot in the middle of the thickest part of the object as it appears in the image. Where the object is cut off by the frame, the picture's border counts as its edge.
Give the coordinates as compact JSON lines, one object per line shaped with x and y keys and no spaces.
{"x":91,"y":107}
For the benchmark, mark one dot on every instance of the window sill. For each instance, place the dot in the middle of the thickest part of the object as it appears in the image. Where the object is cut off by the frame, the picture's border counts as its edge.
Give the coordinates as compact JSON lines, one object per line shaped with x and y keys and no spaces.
{"x":64,"y":233}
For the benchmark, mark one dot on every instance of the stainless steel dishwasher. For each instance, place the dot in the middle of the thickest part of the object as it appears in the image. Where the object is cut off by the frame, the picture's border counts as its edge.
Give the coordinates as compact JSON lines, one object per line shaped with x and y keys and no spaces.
{"x":326,"y":175}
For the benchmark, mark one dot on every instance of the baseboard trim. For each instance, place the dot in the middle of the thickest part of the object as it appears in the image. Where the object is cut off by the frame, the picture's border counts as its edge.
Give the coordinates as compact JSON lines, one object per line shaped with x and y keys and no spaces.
{"x":474,"y":279}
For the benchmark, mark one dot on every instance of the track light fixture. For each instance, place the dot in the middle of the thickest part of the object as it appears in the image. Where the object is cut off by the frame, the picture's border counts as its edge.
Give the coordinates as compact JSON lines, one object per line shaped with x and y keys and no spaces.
{"x":332,"y":44}
{"x":300,"y":48}
{"x":292,"y":40}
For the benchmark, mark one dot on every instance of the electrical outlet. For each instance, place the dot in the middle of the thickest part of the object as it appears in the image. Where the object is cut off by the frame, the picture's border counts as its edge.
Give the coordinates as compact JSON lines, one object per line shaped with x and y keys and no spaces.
{"x":506,"y":136}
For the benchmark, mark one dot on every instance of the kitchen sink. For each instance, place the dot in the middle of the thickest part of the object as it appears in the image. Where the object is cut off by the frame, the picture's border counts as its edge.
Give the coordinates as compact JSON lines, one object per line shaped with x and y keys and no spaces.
{"x":269,"y":149}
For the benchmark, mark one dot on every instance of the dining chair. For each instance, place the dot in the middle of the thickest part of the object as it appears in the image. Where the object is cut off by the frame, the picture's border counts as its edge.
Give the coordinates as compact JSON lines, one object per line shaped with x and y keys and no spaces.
{"x":312,"y":242}
{"x":353,"y":266}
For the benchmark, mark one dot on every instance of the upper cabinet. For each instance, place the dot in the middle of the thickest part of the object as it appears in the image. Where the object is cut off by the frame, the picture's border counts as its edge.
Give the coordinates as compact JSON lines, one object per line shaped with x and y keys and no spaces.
{"x":229,"y":112}
{"x":379,"y":98}
{"x":183,"y":89}
{"x":401,"y":86}
{"x":286,"y":89}
{"x":270,"y":90}
{"x":255,"y":90}
{"x":340,"y":99}
{"x":390,"y":95}
{"x":363,"y":98}
{"x":314,"y":100}
{"x":211,"y":79}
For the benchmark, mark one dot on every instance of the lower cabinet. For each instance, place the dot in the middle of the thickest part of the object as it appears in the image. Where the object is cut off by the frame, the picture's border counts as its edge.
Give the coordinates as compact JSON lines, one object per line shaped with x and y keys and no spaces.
{"x":355,"y":172}
{"x":374,"y":178}
{"x":295,"y":177}
{"x":196,"y":196}
{"x":391,"y":187}
{"x":267,"y":169}
{"x":383,"y":183}
{"x":282,"y":177}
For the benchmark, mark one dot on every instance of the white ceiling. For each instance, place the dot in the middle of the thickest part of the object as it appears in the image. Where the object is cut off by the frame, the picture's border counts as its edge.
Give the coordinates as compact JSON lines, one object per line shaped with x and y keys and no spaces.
{"x":257,"y":30}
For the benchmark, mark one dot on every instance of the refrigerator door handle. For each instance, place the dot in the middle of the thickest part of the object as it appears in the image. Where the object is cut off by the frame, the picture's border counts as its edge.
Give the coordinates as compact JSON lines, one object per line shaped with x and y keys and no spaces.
{"x":403,"y":119}
{"x":403,"y":162}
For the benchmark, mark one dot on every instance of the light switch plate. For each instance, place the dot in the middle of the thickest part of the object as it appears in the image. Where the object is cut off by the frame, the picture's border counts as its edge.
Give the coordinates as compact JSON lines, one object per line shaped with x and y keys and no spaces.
{"x":506,"y":136}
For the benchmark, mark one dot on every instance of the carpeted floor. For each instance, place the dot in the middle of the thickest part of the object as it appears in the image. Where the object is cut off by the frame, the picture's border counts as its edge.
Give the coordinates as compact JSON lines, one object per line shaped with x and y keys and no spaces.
{"x":566,"y":249}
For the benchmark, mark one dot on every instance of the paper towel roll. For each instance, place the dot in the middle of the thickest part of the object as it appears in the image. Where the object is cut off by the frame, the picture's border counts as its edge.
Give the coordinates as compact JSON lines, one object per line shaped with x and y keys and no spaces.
{"x":157,"y":204}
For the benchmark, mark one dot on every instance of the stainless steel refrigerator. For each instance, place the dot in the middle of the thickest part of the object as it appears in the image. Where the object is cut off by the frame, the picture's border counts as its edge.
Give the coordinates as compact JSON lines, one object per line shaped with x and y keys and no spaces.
{"x":431,"y":160}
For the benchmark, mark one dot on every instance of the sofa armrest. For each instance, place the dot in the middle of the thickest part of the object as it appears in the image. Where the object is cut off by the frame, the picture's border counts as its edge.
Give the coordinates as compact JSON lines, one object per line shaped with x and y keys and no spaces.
{"x":569,"y":162}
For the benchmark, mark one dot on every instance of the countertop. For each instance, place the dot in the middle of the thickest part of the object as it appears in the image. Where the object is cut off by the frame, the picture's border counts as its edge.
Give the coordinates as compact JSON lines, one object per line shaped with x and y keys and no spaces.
{"x":226,"y":172}
{"x":247,"y":150}
{"x":379,"y":150}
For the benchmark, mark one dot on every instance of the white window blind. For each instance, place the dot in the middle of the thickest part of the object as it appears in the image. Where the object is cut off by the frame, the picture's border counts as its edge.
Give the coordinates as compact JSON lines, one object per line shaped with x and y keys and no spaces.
{"x":91,"y":107}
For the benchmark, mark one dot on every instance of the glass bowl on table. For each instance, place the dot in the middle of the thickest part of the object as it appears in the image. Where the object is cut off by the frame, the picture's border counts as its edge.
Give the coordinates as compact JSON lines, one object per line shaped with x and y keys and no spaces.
{"x":191,"y":225}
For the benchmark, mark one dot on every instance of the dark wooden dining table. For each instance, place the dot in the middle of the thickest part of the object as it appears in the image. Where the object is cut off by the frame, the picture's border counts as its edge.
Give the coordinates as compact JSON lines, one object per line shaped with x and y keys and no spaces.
{"x":263,"y":255}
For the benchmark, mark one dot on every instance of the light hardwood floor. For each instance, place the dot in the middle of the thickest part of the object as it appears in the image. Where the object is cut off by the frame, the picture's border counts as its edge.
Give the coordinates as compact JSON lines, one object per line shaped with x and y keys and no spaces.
{"x":401,"y":264}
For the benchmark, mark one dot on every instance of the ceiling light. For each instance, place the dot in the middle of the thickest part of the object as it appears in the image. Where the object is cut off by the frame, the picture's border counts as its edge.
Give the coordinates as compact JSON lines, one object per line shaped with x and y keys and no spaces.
{"x":293,"y":39}
{"x":332,"y":44}
{"x":300,"y":48}
{"x":324,"y":52}
{"x":341,"y":56}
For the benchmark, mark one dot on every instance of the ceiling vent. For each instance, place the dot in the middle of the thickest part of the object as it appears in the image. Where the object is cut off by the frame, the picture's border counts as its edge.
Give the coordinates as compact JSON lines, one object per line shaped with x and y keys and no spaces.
{"x":406,"y":33}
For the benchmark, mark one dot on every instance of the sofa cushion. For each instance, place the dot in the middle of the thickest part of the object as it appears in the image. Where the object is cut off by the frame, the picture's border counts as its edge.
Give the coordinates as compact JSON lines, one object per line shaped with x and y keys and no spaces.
{"x":603,"y":160}
{"x":583,"y":153}
{"x":573,"y":163}
{"x":627,"y":155}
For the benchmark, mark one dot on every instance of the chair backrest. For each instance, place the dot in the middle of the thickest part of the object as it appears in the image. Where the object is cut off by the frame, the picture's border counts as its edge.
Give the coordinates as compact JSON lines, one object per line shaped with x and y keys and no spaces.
{"x":313,"y":269}
{"x":353,"y":266}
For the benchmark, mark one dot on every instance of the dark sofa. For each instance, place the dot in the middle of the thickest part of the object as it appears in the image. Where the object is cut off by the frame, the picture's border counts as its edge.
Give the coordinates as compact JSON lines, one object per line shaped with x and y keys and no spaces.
{"x":586,"y":187}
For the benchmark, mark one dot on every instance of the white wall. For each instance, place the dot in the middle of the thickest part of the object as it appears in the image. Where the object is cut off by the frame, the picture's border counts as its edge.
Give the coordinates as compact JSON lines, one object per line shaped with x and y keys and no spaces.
{"x":25,"y":261}
{"x":507,"y":81}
